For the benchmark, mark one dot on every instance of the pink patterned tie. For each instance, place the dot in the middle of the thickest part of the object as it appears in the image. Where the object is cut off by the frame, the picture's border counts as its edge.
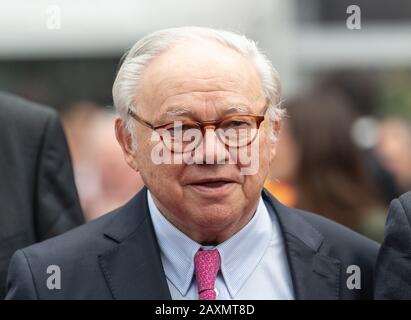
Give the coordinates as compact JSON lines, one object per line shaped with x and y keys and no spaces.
{"x":207,"y":264}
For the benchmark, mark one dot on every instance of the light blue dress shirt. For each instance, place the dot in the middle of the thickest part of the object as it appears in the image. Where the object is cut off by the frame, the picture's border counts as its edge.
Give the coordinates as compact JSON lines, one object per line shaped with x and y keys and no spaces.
{"x":253,"y":261}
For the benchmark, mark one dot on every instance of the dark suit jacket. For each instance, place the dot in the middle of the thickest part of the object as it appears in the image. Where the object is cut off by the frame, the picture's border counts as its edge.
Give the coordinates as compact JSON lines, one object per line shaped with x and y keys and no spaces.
{"x":38,"y":199}
{"x":393,"y":271}
{"x":117,"y":257}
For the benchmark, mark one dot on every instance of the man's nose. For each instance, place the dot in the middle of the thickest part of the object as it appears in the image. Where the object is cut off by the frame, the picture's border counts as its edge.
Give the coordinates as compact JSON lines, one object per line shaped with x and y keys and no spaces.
{"x":213,"y":150}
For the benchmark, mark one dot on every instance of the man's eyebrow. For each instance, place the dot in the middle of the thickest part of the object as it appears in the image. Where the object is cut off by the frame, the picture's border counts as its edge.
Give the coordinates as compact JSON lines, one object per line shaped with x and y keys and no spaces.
{"x":179,"y":111}
{"x":187,"y":111}
{"x":238,"y":109}
{"x":175,"y":112}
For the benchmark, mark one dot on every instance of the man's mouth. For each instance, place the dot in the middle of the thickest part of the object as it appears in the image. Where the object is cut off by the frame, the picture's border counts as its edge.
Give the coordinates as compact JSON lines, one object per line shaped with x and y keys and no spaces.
{"x":213,"y":186}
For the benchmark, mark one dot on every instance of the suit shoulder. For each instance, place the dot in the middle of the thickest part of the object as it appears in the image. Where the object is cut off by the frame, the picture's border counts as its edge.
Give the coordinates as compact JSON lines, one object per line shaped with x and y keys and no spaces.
{"x":398,"y":222}
{"x":405,"y":201}
{"x":336,"y":234}
{"x":335,"y":237}
{"x":406,"y":197}
{"x":74,"y":255}
{"x":93,"y":238}
{"x":76,"y":244}
{"x":20,"y":112}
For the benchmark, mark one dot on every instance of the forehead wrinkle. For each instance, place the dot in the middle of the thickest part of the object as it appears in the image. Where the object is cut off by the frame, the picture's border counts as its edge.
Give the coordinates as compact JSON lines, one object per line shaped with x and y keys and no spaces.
{"x":161,"y":84}
{"x":177,"y":87}
{"x":202,"y":104}
{"x":207,"y":98}
{"x":212,"y":96}
{"x":191,"y":76}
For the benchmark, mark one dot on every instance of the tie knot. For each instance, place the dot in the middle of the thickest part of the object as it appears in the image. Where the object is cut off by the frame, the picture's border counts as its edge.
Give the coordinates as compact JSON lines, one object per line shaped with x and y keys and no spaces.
{"x":207,"y":264}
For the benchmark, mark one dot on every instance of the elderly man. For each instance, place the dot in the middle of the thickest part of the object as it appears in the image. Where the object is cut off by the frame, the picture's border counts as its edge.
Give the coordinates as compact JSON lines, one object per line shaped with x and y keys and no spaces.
{"x":199,"y":115}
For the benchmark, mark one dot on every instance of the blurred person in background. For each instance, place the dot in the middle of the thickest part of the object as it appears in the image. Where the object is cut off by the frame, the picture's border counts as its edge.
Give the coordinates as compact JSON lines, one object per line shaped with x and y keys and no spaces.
{"x":76,"y":119}
{"x":394,"y":150}
{"x":362,"y":90}
{"x":322,"y":168}
{"x":103,"y":179}
{"x":38,"y":197}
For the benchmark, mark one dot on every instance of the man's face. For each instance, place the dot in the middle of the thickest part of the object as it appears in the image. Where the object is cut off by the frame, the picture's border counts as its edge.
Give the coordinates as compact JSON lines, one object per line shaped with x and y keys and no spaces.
{"x":209,"y":202}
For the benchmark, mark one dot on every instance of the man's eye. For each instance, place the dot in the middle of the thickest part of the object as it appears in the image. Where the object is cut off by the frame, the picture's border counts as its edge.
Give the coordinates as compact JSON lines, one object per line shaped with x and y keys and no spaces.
{"x":237,"y":124}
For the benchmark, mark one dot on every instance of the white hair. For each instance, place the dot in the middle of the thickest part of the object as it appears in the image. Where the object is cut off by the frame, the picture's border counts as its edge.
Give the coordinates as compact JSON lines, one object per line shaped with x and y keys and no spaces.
{"x":152,"y":45}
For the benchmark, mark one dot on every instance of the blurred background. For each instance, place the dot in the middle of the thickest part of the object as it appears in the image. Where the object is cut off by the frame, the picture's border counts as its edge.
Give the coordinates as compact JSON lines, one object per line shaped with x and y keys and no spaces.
{"x":345,"y":147}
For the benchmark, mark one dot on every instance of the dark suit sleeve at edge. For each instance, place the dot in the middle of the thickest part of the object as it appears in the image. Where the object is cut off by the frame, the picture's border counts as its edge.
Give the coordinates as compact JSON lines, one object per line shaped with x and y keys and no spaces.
{"x":57,"y":203}
{"x":20,"y":283}
{"x":393,"y":271}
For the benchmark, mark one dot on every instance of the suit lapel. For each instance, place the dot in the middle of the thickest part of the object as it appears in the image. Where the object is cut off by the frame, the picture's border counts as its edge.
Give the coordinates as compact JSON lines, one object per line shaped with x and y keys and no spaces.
{"x":133,"y":268}
{"x":314,"y":274}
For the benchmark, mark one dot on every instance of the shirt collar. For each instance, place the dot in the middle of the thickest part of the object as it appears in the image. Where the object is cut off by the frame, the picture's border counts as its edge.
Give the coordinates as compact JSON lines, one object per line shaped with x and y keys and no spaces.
{"x":240,"y":254}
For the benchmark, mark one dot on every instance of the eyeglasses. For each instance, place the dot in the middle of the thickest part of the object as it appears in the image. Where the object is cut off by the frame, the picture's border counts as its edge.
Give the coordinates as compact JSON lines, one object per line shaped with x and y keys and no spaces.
{"x":180,"y":136}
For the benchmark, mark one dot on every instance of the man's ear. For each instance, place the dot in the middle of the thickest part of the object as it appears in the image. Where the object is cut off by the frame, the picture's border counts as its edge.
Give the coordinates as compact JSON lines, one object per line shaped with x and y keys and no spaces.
{"x":126,"y":142}
{"x":276,"y":129}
